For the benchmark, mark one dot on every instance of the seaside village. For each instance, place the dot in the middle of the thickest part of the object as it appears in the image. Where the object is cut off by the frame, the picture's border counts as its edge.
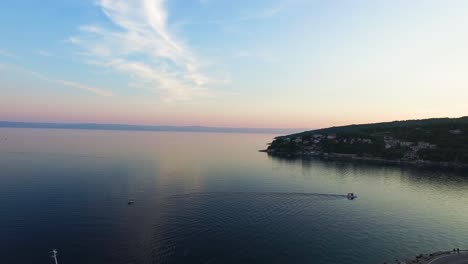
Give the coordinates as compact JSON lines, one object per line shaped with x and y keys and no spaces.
{"x":312,"y":145}
{"x":413,"y":147}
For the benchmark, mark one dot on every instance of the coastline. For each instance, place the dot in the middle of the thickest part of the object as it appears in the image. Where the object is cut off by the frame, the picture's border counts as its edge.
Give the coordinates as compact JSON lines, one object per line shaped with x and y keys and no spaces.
{"x":434,"y":256}
{"x":369,"y":160}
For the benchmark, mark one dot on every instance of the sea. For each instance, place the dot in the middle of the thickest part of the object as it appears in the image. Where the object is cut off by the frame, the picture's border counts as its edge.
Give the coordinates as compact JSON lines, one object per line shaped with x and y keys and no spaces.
{"x":213,"y":198}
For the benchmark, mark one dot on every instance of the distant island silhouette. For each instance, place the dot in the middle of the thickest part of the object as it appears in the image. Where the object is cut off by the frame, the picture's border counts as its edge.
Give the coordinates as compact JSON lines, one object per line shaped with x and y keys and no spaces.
{"x":96,"y":126}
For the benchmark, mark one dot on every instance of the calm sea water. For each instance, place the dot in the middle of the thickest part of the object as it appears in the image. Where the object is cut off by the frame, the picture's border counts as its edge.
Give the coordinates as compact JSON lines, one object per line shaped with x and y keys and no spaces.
{"x":212,"y":198}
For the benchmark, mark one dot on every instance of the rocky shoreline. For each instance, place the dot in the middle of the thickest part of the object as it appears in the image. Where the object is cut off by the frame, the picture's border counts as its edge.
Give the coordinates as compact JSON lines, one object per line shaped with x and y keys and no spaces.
{"x":431,"y":257}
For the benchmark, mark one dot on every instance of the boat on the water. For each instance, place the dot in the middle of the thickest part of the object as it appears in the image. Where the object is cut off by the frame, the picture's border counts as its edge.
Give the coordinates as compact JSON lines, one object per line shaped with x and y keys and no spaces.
{"x":351,"y":196}
{"x":54,"y":255}
{"x":131,"y":201}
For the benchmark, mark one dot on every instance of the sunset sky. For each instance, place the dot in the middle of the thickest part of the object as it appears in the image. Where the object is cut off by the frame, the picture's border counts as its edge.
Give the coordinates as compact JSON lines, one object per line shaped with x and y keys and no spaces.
{"x":262,"y":63}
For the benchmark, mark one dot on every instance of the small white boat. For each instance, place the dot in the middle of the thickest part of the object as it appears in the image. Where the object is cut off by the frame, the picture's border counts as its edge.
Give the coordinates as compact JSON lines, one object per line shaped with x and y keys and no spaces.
{"x":351,"y":196}
{"x":131,"y":201}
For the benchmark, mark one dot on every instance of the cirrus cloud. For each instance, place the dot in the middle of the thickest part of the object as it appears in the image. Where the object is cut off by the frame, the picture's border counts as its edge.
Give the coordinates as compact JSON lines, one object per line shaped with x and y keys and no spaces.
{"x":61,"y":82}
{"x":7,"y":54}
{"x":142,"y":47}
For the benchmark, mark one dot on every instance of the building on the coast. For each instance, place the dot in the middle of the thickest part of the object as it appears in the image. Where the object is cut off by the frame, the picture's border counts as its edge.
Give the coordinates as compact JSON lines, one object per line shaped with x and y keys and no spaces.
{"x":455,"y":131}
{"x":406,"y":143}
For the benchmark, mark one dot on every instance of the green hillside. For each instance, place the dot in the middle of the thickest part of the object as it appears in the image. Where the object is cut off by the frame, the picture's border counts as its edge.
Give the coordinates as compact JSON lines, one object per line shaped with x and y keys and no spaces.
{"x":427,"y":140}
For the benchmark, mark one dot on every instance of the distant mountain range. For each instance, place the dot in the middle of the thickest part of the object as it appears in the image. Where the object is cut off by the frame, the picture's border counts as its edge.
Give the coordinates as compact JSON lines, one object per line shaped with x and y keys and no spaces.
{"x":92,"y":126}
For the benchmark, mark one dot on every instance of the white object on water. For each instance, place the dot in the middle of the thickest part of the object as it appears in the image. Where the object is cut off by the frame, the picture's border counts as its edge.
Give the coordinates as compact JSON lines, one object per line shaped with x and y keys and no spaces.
{"x":54,"y":255}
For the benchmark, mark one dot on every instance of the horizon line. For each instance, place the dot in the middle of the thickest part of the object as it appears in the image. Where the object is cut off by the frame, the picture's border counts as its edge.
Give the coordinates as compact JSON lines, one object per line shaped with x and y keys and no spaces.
{"x":130,"y":127}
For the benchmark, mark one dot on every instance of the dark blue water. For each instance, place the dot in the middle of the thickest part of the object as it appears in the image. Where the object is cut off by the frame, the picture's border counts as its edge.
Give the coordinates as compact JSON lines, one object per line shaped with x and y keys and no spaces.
{"x":212,"y":198}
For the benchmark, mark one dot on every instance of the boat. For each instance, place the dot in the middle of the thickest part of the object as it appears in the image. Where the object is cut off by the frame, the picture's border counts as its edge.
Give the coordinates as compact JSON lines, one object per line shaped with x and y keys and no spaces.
{"x":351,"y":196}
{"x":54,"y":255}
{"x":131,"y":201}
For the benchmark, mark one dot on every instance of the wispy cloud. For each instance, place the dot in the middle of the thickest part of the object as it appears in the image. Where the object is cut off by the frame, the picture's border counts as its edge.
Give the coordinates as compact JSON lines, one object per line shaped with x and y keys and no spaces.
{"x":44,"y":53}
{"x":143,"y":48}
{"x":262,"y":55}
{"x":262,"y":14}
{"x":5,"y":53}
{"x":266,"y":13}
{"x":72,"y":84}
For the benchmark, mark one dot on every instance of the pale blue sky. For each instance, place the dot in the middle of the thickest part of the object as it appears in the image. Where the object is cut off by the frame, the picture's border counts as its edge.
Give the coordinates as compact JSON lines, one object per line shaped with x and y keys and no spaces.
{"x":264,"y":63}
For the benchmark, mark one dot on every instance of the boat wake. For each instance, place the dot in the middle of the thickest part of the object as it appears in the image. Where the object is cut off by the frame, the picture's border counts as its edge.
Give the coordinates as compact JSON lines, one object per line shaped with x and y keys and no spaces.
{"x":237,"y":224}
{"x":266,"y":194}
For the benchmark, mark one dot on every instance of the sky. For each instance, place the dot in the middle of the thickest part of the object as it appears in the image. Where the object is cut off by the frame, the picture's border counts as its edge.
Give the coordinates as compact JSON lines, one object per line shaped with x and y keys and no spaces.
{"x":263,"y":63}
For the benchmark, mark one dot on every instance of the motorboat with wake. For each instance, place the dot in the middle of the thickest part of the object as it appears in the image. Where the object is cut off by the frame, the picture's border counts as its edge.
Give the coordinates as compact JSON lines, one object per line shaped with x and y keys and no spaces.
{"x":54,"y":255}
{"x":351,"y":196}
